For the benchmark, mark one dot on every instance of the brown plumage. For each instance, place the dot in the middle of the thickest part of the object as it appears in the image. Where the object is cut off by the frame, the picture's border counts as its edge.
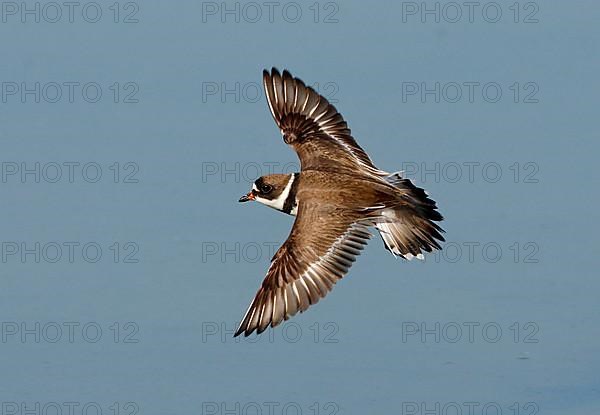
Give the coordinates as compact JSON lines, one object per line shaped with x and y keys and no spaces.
{"x":337,"y":195}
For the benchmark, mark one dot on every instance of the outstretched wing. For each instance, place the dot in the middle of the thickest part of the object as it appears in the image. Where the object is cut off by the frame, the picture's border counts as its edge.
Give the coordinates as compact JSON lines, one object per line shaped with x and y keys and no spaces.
{"x":313,"y":127}
{"x":318,"y":253}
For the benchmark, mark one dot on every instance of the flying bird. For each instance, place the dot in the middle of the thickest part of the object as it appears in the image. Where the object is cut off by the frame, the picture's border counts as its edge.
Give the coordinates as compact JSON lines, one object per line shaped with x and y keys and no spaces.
{"x":336,"y":197}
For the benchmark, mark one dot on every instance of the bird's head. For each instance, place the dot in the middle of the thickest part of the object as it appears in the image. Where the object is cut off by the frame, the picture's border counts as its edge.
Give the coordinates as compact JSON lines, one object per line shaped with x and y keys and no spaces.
{"x":271,"y":190}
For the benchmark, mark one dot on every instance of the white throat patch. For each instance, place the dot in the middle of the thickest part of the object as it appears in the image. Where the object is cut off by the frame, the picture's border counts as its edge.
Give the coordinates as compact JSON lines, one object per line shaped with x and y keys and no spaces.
{"x":280,"y":200}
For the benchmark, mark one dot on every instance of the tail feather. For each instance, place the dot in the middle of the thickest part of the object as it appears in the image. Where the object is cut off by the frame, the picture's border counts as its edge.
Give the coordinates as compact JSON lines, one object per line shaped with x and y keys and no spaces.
{"x":407,"y":228}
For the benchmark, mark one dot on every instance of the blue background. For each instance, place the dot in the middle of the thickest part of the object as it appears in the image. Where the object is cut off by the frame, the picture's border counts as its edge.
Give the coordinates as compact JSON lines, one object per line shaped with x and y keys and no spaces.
{"x":183,"y":299}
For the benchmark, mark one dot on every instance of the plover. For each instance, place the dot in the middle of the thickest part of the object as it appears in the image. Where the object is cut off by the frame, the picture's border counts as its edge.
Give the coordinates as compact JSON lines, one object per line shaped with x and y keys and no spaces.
{"x":336,"y":197}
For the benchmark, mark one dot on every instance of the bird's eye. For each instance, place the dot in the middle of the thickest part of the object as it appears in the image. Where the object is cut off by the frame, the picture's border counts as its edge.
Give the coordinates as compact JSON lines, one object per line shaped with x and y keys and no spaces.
{"x":266,"y":188}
